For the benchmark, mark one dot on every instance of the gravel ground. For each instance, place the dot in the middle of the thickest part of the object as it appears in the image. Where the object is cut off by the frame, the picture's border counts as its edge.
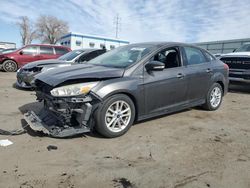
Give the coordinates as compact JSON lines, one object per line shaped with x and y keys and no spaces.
{"x":192,"y":148}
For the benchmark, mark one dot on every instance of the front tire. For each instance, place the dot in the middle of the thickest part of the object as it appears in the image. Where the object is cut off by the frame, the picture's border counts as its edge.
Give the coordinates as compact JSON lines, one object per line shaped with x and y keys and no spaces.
{"x":10,"y":66}
{"x":214,"y":97}
{"x":115,"y":116}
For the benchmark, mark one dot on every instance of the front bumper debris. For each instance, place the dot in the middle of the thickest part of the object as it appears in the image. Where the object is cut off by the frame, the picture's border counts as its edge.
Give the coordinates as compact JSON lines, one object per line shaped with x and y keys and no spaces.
{"x":24,"y":78}
{"x":63,"y":117}
{"x":37,"y":124}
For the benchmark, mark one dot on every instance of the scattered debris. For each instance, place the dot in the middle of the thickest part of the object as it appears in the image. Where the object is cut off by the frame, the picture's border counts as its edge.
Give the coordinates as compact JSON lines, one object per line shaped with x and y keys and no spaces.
{"x":64,"y":174}
{"x":217,"y":139}
{"x":51,"y":147}
{"x":4,"y":171}
{"x":125,"y":183}
{"x":107,"y":157}
{"x":242,"y":158}
{"x":189,"y":179}
{"x":13,"y":132}
{"x":5,"y":142}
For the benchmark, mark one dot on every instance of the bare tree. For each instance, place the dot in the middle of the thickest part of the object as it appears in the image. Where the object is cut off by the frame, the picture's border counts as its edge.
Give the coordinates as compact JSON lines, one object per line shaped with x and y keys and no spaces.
{"x":27,"y":31}
{"x":50,"y":29}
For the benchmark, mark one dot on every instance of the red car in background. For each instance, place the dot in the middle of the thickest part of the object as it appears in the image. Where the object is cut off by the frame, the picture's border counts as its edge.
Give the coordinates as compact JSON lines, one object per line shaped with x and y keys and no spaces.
{"x":10,"y":62}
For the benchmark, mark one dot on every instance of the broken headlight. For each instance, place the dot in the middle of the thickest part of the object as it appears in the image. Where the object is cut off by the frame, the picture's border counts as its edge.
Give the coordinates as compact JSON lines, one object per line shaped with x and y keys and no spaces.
{"x":73,"y":90}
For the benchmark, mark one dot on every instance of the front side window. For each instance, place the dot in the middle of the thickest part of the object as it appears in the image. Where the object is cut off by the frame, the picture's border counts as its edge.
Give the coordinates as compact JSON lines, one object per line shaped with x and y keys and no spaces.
{"x":169,"y":57}
{"x":46,"y":50}
{"x":124,"y":56}
{"x":194,"y":56}
{"x":30,"y":50}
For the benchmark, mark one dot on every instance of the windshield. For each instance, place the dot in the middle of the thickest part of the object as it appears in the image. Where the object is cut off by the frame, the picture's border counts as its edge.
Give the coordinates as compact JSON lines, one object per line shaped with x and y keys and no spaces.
{"x":70,"y":55}
{"x":123,"y":56}
{"x":244,"y":48}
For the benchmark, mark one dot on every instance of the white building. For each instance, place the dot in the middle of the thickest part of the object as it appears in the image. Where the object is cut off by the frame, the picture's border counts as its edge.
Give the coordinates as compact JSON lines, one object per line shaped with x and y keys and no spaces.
{"x":78,"y":41}
{"x":6,"y":45}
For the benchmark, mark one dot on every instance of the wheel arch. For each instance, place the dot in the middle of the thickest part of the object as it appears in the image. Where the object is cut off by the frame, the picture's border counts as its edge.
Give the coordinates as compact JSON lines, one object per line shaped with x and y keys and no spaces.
{"x":220,"y":79}
{"x":127,"y":93}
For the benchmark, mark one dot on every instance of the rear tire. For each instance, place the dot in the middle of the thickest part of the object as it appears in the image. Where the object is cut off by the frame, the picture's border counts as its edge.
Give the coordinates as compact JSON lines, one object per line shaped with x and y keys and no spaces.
{"x":10,"y":66}
{"x":115,"y":116}
{"x":214,"y":97}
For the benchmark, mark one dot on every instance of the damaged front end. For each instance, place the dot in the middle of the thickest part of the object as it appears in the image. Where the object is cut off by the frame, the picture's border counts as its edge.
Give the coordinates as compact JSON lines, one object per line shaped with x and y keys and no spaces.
{"x":62,"y":116}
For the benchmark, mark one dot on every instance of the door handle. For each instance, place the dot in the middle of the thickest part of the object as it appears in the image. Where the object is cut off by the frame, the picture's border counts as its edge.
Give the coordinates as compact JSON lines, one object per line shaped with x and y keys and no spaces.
{"x":180,"y":75}
{"x":209,"y":70}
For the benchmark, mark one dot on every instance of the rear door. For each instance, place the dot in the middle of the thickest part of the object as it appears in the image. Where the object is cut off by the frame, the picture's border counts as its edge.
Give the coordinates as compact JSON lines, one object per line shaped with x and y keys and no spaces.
{"x":199,"y":72}
{"x":167,"y":88}
{"x":47,"y":52}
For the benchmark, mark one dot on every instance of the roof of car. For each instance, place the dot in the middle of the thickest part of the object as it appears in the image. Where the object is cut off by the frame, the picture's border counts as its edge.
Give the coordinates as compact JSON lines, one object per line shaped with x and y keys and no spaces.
{"x":163,"y":44}
{"x":52,"y":45}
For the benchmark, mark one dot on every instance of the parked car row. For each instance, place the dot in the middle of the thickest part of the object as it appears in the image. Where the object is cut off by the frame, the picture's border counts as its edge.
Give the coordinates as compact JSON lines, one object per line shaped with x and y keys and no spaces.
{"x":130,"y":83}
{"x":10,"y":62}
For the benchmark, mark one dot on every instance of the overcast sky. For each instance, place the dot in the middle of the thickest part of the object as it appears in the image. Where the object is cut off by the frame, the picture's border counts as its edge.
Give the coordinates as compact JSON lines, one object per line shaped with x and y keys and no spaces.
{"x":141,"y":20}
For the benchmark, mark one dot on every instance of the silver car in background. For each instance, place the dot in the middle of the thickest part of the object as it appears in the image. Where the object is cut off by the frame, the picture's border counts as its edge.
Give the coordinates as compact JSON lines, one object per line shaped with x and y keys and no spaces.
{"x":26,"y":74}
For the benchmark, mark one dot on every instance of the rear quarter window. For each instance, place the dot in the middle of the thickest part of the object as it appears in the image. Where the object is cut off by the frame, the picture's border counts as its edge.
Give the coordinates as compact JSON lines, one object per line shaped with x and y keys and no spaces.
{"x":61,"y":51}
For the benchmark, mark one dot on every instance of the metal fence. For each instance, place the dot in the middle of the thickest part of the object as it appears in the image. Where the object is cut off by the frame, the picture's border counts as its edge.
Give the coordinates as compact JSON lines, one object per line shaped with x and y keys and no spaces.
{"x":223,"y":46}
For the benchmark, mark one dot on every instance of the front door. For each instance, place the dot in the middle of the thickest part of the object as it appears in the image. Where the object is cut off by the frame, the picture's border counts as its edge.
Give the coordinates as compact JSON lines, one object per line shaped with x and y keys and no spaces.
{"x":28,"y":54}
{"x":167,"y":88}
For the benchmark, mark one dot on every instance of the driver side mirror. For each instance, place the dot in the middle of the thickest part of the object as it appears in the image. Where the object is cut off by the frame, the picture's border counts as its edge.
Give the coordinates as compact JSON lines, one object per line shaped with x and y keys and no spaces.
{"x":21,"y":52}
{"x":155,"y":66}
{"x":234,"y":50}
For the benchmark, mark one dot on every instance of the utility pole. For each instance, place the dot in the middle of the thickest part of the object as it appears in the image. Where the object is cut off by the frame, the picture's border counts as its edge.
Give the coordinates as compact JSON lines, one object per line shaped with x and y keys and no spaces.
{"x":117,"y":23}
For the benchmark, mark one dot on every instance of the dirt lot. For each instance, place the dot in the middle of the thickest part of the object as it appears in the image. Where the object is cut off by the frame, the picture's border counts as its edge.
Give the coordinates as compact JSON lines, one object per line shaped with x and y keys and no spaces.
{"x":194,"y":148}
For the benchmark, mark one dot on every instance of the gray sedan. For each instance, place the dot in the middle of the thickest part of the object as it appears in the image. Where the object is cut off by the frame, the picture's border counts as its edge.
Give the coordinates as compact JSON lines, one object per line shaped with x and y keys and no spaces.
{"x":128,"y":84}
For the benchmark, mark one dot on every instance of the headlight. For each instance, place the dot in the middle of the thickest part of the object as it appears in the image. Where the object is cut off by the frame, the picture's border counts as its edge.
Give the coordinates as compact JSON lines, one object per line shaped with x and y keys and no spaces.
{"x":73,"y":90}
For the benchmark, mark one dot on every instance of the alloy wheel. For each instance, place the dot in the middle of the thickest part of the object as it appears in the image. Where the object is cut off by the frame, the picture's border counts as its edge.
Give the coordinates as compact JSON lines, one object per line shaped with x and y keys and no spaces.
{"x":215,"y":97}
{"x":117,"y":116}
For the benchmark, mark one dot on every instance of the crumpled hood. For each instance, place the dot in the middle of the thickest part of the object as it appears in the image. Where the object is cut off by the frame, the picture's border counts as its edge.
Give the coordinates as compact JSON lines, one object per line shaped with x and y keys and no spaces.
{"x":237,"y":54}
{"x":83,"y":71}
{"x":42,"y":63}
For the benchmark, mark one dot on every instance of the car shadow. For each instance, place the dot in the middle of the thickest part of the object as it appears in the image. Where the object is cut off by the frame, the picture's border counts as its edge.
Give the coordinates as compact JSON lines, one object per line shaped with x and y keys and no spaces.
{"x":239,"y":88}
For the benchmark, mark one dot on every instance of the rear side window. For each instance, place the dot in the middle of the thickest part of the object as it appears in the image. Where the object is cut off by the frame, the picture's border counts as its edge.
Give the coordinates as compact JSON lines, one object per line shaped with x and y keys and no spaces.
{"x":46,"y":50}
{"x":194,"y":56}
{"x":61,"y":51}
{"x":30,"y":50}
